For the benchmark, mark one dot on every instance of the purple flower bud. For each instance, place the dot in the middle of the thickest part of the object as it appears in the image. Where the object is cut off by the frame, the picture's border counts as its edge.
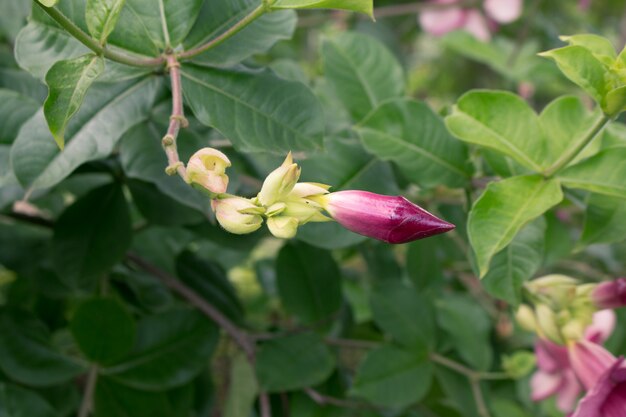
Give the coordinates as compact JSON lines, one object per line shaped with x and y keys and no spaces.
{"x":610,"y":294}
{"x":392,"y":219}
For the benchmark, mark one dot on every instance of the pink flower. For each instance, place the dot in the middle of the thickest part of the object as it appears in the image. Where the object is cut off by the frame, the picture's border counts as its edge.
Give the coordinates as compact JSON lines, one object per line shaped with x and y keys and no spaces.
{"x":556,"y":374}
{"x":605,"y":378}
{"x":392,"y":219}
{"x":439,"y":21}
{"x":611,"y":294}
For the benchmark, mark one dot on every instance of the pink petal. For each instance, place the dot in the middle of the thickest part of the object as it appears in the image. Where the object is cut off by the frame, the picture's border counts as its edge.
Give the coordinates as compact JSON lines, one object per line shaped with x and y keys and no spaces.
{"x":592,"y":405}
{"x":589,"y":361}
{"x":544,"y":385}
{"x":477,"y":25}
{"x":503,"y":11}
{"x":439,"y":22}
{"x":569,"y":392}
{"x":615,"y":404}
{"x":601,"y":327}
{"x":550,"y":356}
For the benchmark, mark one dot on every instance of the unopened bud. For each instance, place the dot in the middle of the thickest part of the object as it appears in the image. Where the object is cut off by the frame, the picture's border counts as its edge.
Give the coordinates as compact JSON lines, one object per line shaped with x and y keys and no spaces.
{"x":547,"y":324}
{"x":237,"y":215}
{"x":206,"y":171}
{"x":525,"y":316}
{"x":560,"y":289}
{"x":283,"y":227}
{"x":279,"y":182}
{"x":611,"y":294}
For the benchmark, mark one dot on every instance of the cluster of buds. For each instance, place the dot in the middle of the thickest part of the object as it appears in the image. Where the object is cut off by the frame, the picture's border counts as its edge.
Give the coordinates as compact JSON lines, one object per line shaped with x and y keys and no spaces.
{"x":285,"y":204}
{"x":572,"y":321}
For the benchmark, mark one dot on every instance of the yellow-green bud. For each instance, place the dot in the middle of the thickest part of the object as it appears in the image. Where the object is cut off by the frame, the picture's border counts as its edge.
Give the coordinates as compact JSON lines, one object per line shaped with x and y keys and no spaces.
{"x":559,"y":289}
{"x":547,"y":323}
{"x":237,"y":215}
{"x":206,"y":170}
{"x":283,"y":227}
{"x":525,"y":316}
{"x":279,"y":182}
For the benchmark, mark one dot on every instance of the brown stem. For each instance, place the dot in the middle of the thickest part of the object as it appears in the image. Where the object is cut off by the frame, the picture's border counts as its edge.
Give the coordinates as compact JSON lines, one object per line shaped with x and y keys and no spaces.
{"x":177,"y":120}
{"x":87,"y":405}
{"x":266,"y":406}
{"x":323,"y":399}
{"x":195,"y":300}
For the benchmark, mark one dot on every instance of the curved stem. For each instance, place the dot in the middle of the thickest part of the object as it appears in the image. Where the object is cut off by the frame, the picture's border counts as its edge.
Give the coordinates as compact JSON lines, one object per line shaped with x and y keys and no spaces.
{"x":249,"y":18}
{"x":177,"y":120}
{"x":93,"y":44}
{"x":573,"y":152}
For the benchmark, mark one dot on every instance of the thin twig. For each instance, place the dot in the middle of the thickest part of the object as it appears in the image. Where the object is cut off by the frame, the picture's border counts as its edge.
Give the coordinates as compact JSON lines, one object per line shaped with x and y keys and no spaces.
{"x":195,"y":300}
{"x":265,"y":405}
{"x":253,"y":15}
{"x":94,"y":45}
{"x":477,"y":392}
{"x":87,"y":404}
{"x":177,"y":120}
{"x":323,"y":399}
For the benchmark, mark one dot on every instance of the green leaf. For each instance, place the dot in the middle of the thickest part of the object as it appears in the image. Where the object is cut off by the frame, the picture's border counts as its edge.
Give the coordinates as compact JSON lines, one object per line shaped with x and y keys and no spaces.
{"x":602,"y":173}
{"x":102,"y":16}
{"x":158,"y":208}
{"x":583,"y":68}
{"x":68,"y":82}
{"x":272,"y":114}
{"x":19,"y":402}
{"x":516,"y":263}
{"x":243,"y":388}
{"x":148,"y":27}
{"x":91,"y":236}
{"x":209,"y":280}
{"x":293,"y":362}
{"x":497,"y":54}
{"x":13,"y":18}
{"x":410,"y":134}
{"x":308,"y":282}
{"x":108,"y":112}
{"x":362,"y":71}
{"x":423,"y":263}
{"x":142,"y":158}
{"x":171,"y":348}
{"x":565,"y":123}
{"x":103,"y":329}
{"x":605,"y":220}
{"x":472,"y":343}
{"x":395,"y":307}
{"x":601,"y":47}
{"x":346,"y":165}
{"x":615,"y":102}
{"x":393,"y":377}
{"x":216,"y":17}
{"x":500,"y":121}
{"x":26,"y":354}
{"x":33,"y":52}
{"x":116,"y":400}
{"x":361,"y":6}
{"x":503,"y":209}
{"x":15,"y":109}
